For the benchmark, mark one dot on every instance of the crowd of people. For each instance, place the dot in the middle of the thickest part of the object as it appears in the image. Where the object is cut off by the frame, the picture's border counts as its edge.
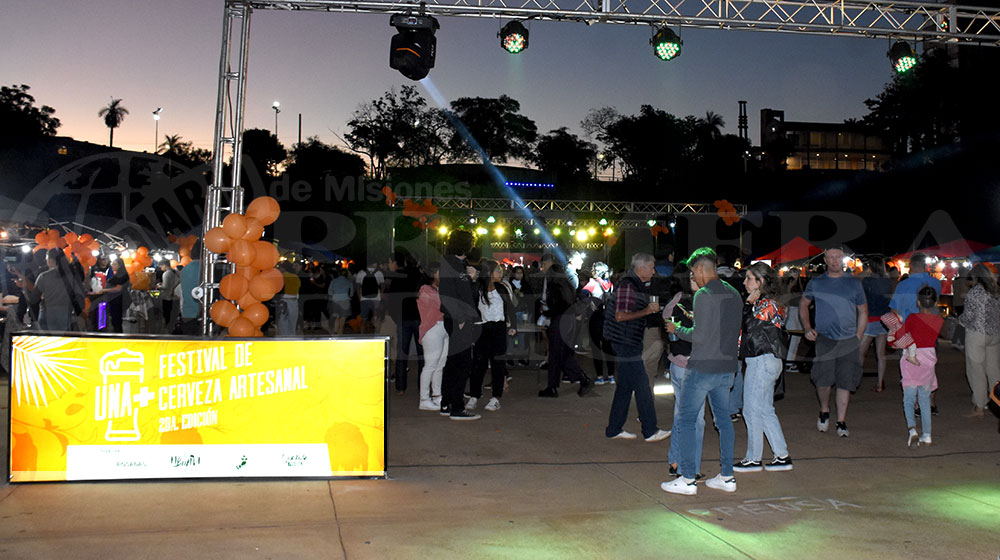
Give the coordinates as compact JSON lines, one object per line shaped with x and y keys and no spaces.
{"x":720,"y":334}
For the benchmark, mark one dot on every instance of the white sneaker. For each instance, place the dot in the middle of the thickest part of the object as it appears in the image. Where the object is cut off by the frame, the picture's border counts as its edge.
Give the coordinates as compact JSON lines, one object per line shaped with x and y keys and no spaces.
{"x":493,"y":405}
{"x":925,"y":439}
{"x":912,"y":438}
{"x":471,"y":403}
{"x":720,"y":482}
{"x":436,"y":401}
{"x":429,"y":405}
{"x":660,"y":435}
{"x":680,"y":485}
{"x":624,"y":435}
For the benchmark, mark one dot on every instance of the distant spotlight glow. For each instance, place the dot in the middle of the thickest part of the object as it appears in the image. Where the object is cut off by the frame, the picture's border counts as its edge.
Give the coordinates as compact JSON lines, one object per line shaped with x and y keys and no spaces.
{"x":25,"y":248}
{"x":603,"y":222}
{"x":609,"y":232}
{"x":157,"y":257}
{"x":443,"y":230}
{"x":556,"y":231}
{"x":651,"y":223}
{"x":518,"y":233}
{"x":592,"y":231}
{"x":95,"y":253}
{"x":499,"y":230}
{"x":491,"y":220}
{"x":536,"y":231}
{"x":530,"y":185}
{"x":481,"y":231}
{"x":581,"y":235}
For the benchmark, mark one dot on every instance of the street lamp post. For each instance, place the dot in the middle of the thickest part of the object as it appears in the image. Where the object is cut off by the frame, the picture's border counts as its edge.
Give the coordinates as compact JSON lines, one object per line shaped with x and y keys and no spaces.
{"x":156,"y":127}
{"x":275,"y":106}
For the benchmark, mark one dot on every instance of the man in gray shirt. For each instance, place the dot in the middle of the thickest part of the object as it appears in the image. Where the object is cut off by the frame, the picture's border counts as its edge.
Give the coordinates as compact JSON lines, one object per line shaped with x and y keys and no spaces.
{"x":718,"y":312}
{"x":841,"y":318}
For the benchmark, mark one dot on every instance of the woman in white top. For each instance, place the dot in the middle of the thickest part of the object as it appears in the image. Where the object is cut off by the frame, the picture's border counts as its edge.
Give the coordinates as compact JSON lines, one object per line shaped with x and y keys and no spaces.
{"x":498,"y":320}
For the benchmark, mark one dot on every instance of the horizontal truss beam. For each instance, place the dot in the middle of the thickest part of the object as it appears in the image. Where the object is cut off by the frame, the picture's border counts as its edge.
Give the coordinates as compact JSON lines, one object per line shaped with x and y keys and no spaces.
{"x":886,"y":19}
{"x":547,"y":208}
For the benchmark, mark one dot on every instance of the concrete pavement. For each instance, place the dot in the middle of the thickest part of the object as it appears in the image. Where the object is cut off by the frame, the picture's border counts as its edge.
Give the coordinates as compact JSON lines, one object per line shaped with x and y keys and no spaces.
{"x":538,"y":479}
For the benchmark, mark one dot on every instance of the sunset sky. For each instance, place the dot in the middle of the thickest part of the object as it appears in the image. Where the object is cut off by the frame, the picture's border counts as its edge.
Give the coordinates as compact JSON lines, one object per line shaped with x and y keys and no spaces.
{"x":77,"y":55}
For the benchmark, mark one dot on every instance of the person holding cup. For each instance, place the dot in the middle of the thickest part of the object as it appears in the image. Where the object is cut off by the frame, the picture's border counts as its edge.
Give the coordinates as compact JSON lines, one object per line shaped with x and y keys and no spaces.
{"x":624,"y":325}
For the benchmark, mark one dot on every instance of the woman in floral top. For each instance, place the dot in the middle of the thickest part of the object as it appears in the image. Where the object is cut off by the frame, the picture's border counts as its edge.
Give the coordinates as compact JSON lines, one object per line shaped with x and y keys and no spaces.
{"x":981,"y":319}
{"x":762,"y":345}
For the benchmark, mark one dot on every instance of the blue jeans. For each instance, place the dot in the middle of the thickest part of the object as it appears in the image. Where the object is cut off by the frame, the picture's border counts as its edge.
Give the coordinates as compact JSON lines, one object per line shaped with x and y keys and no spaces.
{"x":678,"y":376}
{"x":922,"y":394}
{"x":758,"y":407}
{"x":736,"y":395}
{"x":631,"y":379}
{"x":697,"y":386}
{"x":406,"y":332}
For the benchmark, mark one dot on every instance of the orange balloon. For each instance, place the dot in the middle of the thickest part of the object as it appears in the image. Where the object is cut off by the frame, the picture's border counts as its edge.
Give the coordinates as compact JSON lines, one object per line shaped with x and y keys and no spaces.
{"x":274,"y":277}
{"x":71,"y":237}
{"x":235,"y":225}
{"x":173,"y":263}
{"x":184,"y":252}
{"x":257,"y":333}
{"x":223,"y":312}
{"x":265,"y":255}
{"x":255,"y":229}
{"x":69,"y":253}
{"x":41,"y":238}
{"x":58,"y":241}
{"x":261,"y":288}
{"x":185,"y":261}
{"x":217,"y":241}
{"x":142,"y":251}
{"x":257,"y":314}
{"x":264,"y":209}
{"x":233,"y":286}
{"x":241,"y":327}
{"x":246,"y":301}
{"x":241,"y":253}
{"x":247,"y":272}
{"x":53,"y":234}
{"x":86,"y":238}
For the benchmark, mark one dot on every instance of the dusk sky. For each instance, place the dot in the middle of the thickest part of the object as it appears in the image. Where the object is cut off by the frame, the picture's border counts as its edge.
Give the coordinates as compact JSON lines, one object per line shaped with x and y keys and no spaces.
{"x":77,"y":55}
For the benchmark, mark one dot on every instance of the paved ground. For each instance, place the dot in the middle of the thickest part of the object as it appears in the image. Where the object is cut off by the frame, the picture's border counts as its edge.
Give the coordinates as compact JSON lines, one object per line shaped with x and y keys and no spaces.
{"x":538,"y":479}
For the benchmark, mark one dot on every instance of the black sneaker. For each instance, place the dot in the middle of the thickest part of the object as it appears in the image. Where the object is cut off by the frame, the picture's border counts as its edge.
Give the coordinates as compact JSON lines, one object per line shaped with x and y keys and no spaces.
{"x":445,"y":410}
{"x":463,"y":415}
{"x":736,"y":416}
{"x":549,"y":392}
{"x":586,"y":386}
{"x":842,"y":430}
{"x":779,"y":464}
{"x":673,"y":470}
{"x":748,"y":466}
{"x":934,"y":410}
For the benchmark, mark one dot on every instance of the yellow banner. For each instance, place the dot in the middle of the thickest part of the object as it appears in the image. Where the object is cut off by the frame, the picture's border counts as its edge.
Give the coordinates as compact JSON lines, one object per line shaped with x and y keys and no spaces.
{"x":90,"y":407}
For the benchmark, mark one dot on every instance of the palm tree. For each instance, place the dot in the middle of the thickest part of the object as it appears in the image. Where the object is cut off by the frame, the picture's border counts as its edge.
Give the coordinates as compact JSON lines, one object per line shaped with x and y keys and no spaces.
{"x":172,"y":144}
{"x":713,"y":124}
{"x":113,"y":115}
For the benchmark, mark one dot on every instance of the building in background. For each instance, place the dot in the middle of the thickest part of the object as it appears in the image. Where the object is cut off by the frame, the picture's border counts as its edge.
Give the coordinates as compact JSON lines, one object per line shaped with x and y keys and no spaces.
{"x":810,"y":145}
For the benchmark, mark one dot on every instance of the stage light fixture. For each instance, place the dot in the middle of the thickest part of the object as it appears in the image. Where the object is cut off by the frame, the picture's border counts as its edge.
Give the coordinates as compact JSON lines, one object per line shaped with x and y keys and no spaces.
{"x":491,"y":220}
{"x":556,"y":231}
{"x":651,"y":222}
{"x":513,"y":37}
{"x":413,"y":47}
{"x":666,"y":44}
{"x":481,"y":231}
{"x":902,"y":57}
{"x":536,"y":231}
{"x":603,"y":222}
{"x":498,"y":231}
{"x":518,"y":233}
{"x":443,"y":230}
{"x":581,"y":235}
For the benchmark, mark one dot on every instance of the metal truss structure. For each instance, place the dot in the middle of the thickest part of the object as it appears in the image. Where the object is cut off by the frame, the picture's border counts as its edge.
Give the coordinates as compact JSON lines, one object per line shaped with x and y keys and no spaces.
{"x":948,"y":23}
{"x":903,"y":20}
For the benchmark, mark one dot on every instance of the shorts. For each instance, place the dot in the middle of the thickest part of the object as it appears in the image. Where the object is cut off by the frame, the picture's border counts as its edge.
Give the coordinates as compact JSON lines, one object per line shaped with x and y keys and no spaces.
{"x":836,"y":363}
{"x":875,"y":328}
{"x":368,"y":308}
{"x":340,"y":308}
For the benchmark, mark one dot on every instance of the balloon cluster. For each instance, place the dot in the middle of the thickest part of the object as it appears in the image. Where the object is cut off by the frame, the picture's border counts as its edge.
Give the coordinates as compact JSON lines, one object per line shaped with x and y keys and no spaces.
{"x":255,"y":280}
{"x":83,"y":246}
{"x":186,"y":244}
{"x":135,"y":265}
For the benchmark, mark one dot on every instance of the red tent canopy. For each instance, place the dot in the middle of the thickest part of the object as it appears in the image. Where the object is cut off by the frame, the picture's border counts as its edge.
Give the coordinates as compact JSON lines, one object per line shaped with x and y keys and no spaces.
{"x":950,"y":250}
{"x":795,"y":250}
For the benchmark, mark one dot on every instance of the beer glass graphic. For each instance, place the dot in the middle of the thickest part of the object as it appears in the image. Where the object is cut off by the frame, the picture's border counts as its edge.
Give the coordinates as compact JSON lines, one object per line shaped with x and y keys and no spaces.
{"x":121,"y":366}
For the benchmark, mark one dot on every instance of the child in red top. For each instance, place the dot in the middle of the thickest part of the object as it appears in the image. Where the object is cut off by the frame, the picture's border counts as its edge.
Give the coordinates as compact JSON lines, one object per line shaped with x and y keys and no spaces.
{"x":919,"y":378}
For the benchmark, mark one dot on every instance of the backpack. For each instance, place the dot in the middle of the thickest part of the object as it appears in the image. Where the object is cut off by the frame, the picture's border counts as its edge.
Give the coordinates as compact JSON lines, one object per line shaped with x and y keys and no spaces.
{"x":369,"y":286}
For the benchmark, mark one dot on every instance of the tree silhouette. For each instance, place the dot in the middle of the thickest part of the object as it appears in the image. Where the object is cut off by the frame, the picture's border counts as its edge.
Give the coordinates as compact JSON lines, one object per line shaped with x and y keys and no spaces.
{"x":19,"y":117}
{"x":713,"y":124}
{"x":651,"y":145}
{"x":496,"y":125}
{"x":564,"y":155}
{"x":113,"y":116}
{"x":177,"y":150}
{"x":262,"y":149}
{"x":313,"y":161}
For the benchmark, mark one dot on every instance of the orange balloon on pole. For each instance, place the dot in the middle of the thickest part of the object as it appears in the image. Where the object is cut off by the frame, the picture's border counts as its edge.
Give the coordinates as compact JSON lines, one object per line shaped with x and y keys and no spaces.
{"x":71,"y":237}
{"x":223,"y":312}
{"x":241,"y":327}
{"x":255,"y":229}
{"x":257,"y":314}
{"x":274,"y":277}
{"x":217,"y":241}
{"x":261,"y":288}
{"x":41,"y":238}
{"x":264,"y":209}
{"x":247,"y":300}
{"x":235,"y":225}
{"x":233,"y":286}
{"x":185,"y":261}
{"x":241,"y":252}
{"x":265,"y":255}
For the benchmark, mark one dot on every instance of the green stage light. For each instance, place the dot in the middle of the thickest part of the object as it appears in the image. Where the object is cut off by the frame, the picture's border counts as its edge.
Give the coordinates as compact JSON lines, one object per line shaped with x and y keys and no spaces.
{"x":666,"y":44}
{"x":536,"y":231}
{"x":902,"y":57}
{"x":603,"y":222}
{"x":513,"y":37}
{"x":651,"y":223}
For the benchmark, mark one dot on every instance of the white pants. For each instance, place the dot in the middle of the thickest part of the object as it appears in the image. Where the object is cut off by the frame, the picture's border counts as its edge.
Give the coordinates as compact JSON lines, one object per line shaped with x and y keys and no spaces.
{"x":435,"y":343}
{"x":288,"y":316}
{"x":982,"y":364}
